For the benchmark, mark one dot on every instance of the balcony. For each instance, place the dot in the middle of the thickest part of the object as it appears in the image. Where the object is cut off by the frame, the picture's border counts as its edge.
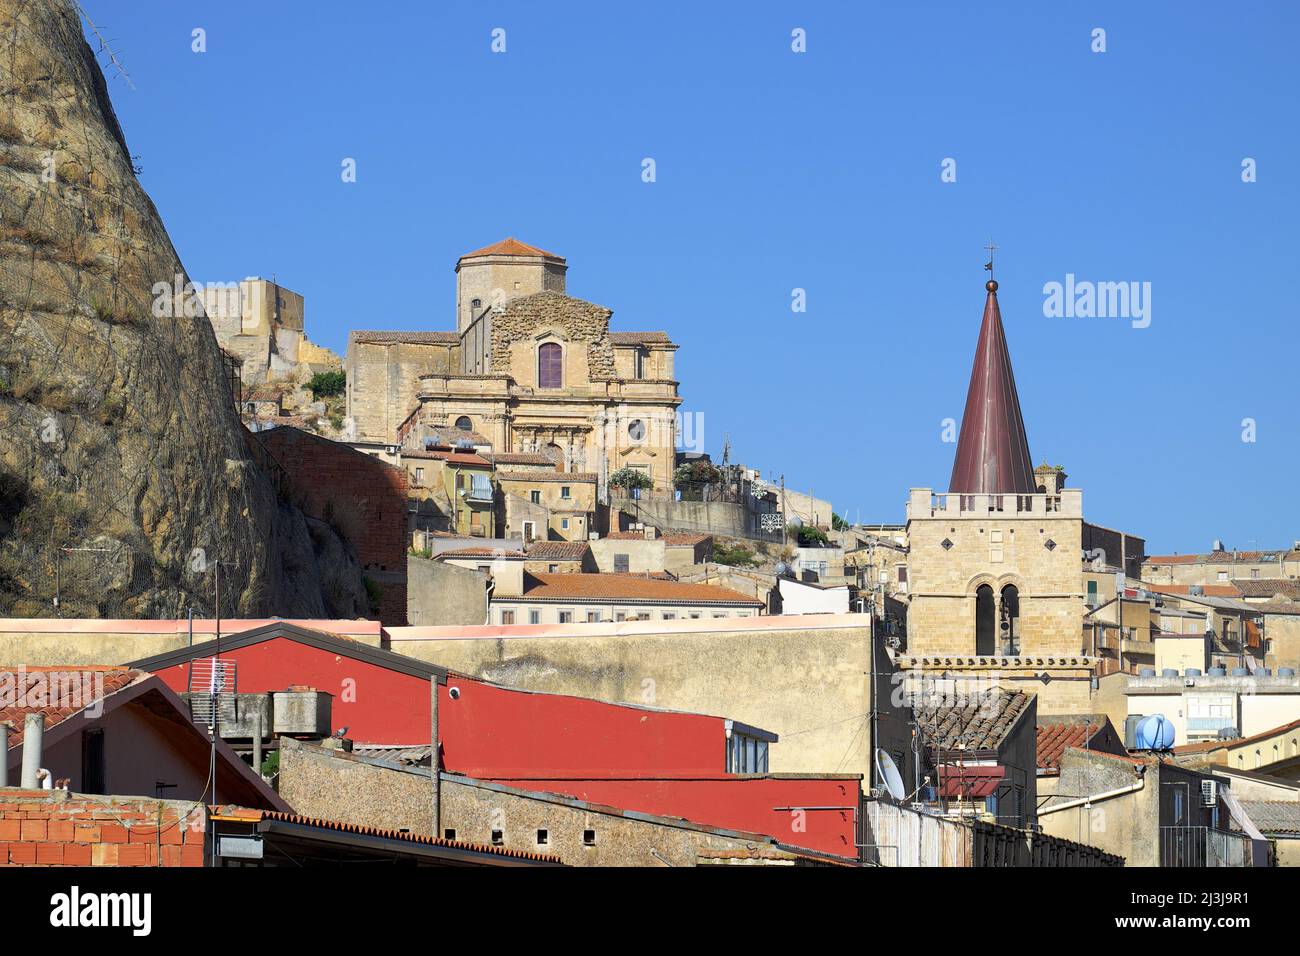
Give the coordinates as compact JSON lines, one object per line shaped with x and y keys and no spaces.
{"x":1203,"y":846}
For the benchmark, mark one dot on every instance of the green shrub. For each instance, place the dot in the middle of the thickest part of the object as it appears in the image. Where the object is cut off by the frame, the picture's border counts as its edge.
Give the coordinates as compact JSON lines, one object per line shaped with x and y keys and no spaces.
{"x":326,"y":384}
{"x":735,"y":557}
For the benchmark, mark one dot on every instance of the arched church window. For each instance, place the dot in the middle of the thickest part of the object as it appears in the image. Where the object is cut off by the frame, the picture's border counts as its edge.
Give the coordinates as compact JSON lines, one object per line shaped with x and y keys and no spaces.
{"x":464,"y":424}
{"x":985,"y":625}
{"x":550,"y":366}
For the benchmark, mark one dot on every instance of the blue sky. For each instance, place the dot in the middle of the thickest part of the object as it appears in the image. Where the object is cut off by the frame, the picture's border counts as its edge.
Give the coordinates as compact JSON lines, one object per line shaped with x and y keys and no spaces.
{"x":776,"y":171}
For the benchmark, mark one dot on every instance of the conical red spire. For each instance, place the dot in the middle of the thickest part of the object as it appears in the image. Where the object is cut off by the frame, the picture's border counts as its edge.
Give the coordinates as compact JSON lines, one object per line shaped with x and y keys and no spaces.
{"x":992,"y":450}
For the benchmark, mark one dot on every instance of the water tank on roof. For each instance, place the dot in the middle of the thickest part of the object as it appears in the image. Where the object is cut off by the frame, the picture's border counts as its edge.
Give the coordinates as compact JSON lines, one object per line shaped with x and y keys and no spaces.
{"x":1286,"y":672}
{"x":1218,"y":671}
{"x":1192,"y":672}
{"x":1154,"y":733}
{"x":1169,"y":672}
{"x":1240,"y":672}
{"x":1265,"y":672}
{"x":1146,"y":672}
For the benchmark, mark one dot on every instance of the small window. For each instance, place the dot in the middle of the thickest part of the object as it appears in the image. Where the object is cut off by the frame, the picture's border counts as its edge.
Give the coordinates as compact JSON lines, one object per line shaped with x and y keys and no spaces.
{"x":566,"y":617}
{"x":564,"y":492}
{"x":636,"y":430}
{"x":695,"y":615}
{"x":621,"y":563}
{"x":564,"y":524}
{"x":464,"y":424}
{"x":670,"y":616}
{"x":498,"y":837}
{"x":593,"y":617}
{"x":589,"y":837}
{"x":535,"y":497}
{"x":1223,"y":575}
{"x":543,"y":837}
{"x":507,"y":617}
{"x":534,"y":617}
{"x":449,"y":834}
{"x":419,"y":475}
{"x":552,"y":568}
{"x":620,"y":616}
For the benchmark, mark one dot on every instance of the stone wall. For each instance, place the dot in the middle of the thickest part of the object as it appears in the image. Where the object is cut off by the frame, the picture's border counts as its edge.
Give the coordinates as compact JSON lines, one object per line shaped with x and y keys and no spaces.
{"x":351,"y":789}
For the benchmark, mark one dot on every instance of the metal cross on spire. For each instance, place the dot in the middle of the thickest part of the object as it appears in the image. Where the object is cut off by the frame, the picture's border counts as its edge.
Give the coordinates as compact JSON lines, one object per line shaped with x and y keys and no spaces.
{"x":989,"y":265}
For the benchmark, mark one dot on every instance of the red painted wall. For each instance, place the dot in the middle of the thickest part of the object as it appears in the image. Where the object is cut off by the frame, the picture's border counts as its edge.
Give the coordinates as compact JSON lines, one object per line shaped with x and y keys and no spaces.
{"x":755,"y":805}
{"x":377,"y":705}
{"x":497,"y":732}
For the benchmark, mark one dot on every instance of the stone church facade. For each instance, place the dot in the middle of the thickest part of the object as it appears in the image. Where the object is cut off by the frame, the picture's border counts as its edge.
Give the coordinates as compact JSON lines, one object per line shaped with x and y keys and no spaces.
{"x":528,"y":369}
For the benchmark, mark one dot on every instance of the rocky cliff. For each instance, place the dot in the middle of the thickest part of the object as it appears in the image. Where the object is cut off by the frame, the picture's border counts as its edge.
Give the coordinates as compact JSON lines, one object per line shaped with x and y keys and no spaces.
{"x":125,"y":475}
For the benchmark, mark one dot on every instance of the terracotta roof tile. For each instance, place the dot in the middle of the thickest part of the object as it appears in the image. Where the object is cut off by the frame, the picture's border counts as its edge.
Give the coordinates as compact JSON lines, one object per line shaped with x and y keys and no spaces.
{"x":558,"y":550}
{"x":628,"y":588}
{"x":242,"y":813}
{"x":377,"y":337}
{"x":981,"y":722}
{"x":638,"y":338}
{"x":1208,"y":590}
{"x":1055,"y":738}
{"x":464,"y":458}
{"x":480,"y":553}
{"x":451,"y":436}
{"x":28,"y":689}
{"x":510,"y":246}
{"x":1274,"y":816}
{"x":1173,"y":559}
{"x":567,"y":477}
{"x":521,"y":458}
{"x":1251,"y":587}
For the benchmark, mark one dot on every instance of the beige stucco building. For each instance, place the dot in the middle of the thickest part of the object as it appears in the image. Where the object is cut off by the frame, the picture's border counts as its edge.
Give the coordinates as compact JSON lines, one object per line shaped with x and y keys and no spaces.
{"x":529,"y":367}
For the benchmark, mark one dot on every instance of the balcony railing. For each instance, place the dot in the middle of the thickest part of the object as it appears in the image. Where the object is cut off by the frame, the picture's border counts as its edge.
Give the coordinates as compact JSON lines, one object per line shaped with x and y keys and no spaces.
{"x":1203,"y":846}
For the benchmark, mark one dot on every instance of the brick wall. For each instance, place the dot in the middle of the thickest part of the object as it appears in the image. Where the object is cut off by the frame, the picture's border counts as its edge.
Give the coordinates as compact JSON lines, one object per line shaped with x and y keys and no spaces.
{"x":360,"y":496}
{"x":57,"y":828}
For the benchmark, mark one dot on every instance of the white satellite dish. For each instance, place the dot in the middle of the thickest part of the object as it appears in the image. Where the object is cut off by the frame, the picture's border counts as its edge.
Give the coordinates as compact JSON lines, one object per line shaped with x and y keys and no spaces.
{"x":889,"y":773}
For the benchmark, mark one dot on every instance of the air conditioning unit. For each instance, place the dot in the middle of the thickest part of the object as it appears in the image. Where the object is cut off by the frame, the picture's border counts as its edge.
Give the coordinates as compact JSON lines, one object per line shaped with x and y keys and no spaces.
{"x":1210,"y":793}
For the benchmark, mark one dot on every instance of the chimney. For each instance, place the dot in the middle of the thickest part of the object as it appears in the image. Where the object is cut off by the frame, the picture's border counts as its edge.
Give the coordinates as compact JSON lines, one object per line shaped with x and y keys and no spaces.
{"x":33,"y":740}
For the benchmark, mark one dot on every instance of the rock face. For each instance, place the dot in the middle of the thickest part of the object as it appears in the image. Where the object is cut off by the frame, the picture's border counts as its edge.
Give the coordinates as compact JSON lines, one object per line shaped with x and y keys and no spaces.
{"x":125,"y":475}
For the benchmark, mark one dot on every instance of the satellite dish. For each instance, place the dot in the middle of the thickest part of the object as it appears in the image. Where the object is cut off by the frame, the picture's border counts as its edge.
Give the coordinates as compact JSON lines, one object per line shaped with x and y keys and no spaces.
{"x":889,"y":773}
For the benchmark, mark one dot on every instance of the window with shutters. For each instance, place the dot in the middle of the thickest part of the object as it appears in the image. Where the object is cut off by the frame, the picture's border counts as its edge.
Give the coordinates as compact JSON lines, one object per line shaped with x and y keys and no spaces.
{"x":550,"y":366}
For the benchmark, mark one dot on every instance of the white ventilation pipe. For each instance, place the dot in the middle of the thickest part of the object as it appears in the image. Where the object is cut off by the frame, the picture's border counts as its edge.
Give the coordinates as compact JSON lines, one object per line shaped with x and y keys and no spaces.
{"x":4,"y":753}
{"x":33,"y":741}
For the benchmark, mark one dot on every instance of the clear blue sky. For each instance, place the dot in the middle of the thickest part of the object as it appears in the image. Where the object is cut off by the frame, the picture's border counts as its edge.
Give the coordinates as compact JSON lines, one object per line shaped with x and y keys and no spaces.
{"x":778,"y":170}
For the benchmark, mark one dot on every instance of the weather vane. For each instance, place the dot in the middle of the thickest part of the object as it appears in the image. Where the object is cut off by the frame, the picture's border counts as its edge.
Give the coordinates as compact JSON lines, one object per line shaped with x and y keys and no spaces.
{"x":988,"y":266}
